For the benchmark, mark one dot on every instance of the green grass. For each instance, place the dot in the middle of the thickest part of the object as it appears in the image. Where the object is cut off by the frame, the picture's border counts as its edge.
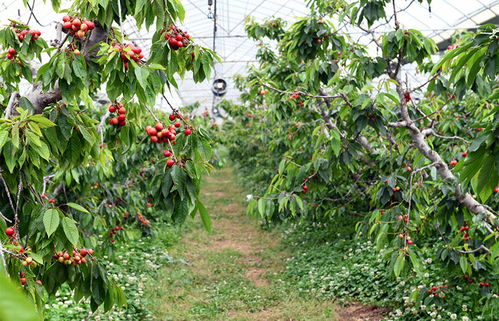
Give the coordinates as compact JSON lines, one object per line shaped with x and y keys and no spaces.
{"x":233,"y":273}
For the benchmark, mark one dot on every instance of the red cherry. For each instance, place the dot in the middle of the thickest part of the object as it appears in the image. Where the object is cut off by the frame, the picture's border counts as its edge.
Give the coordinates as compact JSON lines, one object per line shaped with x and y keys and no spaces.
{"x":114,"y":121}
{"x":90,"y":251}
{"x":10,"y":231}
{"x":159,"y":126}
{"x":170,"y":162}
{"x":188,"y":131}
{"x":179,"y":37}
{"x":83,"y":252}
{"x":77,"y":22}
{"x":152,"y":132}
{"x":90,"y":24}
{"x":112,"y":109}
{"x":52,"y":201}
{"x":487,"y":284}
{"x":10,"y":56}
{"x":453,"y":162}
{"x":23,"y":281}
{"x":464,"y":154}
{"x":409,"y":169}
{"x":177,"y":124}
{"x":167,"y":153}
{"x":80,"y":34}
{"x":66,"y":18}
{"x":154,"y":139}
{"x":180,"y":44}
{"x":121,"y":118}
{"x":137,"y":50}
{"x":12,"y":51}
{"x":496,"y":190}
{"x":122,"y":111}
{"x":172,"y":117}
{"x":84,"y":27}
{"x":148,"y":204}
{"x":409,"y":242}
{"x":479,"y":129}
{"x":172,"y":42}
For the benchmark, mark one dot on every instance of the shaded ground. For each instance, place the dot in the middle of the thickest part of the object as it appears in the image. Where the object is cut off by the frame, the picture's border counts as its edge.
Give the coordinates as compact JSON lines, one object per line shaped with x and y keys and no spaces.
{"x":233,"y":273}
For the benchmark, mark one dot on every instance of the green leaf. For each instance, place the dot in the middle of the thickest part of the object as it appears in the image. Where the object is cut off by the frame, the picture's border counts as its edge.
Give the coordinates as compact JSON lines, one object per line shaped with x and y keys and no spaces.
{"x":399,"y":264}
{"x":42,"y":120}
{"x":70,"y":229}
{"x":205,"y":217}
{"x":261,"y":207}
{"x":4,"y":136}
{"x":416,"y":262}
{"x":78,"y":207}
{"x":463,"y":262}
{"x":51,"y":221}
{"x":14,"y":305}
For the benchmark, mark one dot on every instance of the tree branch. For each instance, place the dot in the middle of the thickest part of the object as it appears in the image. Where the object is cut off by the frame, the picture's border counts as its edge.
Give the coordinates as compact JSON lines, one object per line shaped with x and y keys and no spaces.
{"x":10,"y":106}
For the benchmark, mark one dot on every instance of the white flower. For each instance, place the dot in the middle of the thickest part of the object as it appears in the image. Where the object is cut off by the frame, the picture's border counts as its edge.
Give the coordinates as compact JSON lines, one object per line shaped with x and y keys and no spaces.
{"x":453,"y":316}
{"x":464,"y":307}
{"x":249,"y":197}
{"x":465,"y":318}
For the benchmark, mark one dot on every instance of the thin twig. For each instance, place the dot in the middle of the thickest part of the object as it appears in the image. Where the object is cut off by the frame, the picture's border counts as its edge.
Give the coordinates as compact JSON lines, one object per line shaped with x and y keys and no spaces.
{"x":481,"y":247}
{"x":16,"y":213}
{"x":5,"y":218}
{"x":7,"y":191}
{"x":451,"y":137}
{"x":435,"y":76}
{"x":301,"y":93}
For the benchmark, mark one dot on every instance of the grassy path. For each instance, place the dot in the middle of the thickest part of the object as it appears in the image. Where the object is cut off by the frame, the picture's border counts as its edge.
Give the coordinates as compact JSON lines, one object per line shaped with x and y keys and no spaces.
{"x":233,"y":273}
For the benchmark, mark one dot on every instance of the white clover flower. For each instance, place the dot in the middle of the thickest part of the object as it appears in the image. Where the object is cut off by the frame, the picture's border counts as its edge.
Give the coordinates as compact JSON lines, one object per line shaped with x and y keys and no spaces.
{"x":465,"y":318}
{"x":464,"y":307}
{"x":453,"y":316}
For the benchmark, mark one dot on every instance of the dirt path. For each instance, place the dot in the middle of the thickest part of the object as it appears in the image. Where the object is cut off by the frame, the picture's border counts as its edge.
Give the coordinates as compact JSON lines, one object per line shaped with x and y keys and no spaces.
{"x":233,"y":273}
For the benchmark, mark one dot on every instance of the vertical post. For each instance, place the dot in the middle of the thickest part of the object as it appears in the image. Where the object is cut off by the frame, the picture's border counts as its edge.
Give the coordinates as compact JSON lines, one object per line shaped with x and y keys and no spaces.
{"x":214,"y":50}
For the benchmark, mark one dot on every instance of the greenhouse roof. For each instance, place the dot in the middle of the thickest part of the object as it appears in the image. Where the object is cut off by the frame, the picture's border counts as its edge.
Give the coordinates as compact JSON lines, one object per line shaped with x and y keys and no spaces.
{"x":236,"y":50}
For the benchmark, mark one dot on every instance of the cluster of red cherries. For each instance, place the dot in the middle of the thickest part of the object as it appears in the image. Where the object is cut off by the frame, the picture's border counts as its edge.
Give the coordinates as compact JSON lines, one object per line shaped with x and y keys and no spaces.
{"x":176,"y":37}
{"x":128,"y":52}
{"x":144,"y":221}
{"x":21,"y":34}
{"x":119,"y":120}
{"x":11,"y":54}
{"x":45,"y":197}
{"x":407,"y":97}
{"x":77,"y":257}
{"x":404,"y":218}
{"x":76,"y":27}
{"x":115,"y":230}
{"x":465,"y":229}
{"x":24,"y":281}
{"x":436,"y":291}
